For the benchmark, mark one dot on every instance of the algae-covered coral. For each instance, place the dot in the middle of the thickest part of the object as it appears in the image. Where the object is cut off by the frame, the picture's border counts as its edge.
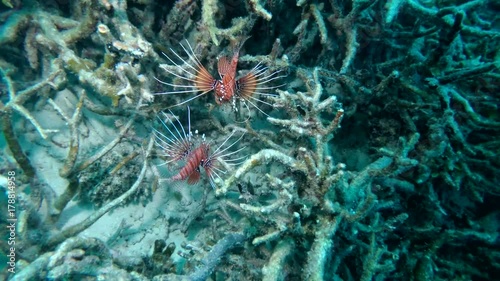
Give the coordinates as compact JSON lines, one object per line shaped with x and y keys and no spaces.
{"x":377,"y":155}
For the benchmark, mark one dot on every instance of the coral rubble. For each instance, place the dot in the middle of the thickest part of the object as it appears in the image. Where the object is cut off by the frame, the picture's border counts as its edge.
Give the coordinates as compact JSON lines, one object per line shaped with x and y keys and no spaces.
{"x":375,"y":155}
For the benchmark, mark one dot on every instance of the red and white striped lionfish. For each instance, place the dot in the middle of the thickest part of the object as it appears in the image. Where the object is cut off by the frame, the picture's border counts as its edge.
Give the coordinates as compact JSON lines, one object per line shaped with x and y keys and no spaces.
{"x":179,"y":145}
{"x":228,"y":88}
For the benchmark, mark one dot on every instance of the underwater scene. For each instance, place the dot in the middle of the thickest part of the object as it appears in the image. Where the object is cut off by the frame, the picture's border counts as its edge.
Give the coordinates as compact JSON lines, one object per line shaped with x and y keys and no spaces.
{"x":250,"y":140}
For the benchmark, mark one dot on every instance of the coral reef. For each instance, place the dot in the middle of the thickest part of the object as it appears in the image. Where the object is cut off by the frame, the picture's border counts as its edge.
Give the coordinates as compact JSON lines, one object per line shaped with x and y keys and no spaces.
{"x":376,"y":158}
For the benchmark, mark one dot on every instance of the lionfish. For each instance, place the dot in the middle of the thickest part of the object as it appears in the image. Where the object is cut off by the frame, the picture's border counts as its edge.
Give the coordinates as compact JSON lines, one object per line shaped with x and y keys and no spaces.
{"x":226,"y":89}
{"x":178,"y":145}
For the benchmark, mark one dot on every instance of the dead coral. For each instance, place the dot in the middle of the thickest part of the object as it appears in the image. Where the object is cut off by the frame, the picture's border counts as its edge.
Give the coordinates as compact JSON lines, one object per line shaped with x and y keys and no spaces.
{"x":417,"y":81}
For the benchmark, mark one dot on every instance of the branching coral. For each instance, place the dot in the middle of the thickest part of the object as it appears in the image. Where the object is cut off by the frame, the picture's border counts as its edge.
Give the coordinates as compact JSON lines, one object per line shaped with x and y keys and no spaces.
{"x":71,"y":231}
{"x":322,"y":183}
{"x":16,"y":104}
{"x":17,"y":99}
{"x":74,"y":258}
{"x":240,"y":25}
{"x":380,"y":149}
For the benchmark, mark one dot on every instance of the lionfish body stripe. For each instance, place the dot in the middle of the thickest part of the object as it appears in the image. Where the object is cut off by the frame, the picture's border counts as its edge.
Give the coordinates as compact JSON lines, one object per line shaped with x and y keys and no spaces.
{"x":224,"y":90}
{"x":194,"y":160}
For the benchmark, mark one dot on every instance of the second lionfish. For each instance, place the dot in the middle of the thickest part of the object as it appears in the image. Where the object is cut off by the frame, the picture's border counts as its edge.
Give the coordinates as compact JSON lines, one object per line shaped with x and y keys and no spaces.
{"x":178,"y":146}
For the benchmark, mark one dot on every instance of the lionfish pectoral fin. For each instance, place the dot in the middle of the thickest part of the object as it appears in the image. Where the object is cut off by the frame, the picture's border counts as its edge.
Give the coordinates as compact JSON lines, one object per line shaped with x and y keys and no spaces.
{"x":204,"y":81}
{"x":223,"y":66}
{"x":194,"y":177}
{"x":247,"y":85}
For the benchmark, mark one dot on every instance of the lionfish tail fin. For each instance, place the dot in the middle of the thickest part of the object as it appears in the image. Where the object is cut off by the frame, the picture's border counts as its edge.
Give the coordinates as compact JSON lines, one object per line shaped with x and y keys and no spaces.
{"x":238,"y":42}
